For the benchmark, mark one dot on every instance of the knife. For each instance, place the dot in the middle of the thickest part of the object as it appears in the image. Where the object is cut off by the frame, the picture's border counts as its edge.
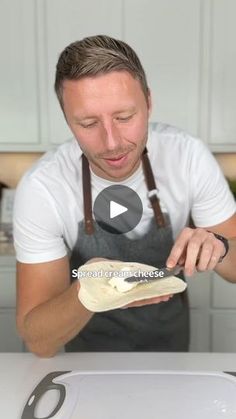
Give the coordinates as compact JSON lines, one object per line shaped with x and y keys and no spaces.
{"x":161,"y":273}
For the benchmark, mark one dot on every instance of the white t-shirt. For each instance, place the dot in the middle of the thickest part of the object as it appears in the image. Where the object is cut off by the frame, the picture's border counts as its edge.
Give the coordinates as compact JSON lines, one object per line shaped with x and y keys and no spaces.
{"x":49,"y":199}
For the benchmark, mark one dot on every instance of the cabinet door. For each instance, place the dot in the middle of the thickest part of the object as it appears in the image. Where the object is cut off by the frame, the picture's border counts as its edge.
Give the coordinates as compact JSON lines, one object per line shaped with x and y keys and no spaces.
{"x":220,"y":35}
{"x":223,"y":315}
{"x":9,"y":340}
{"x":8,"y":286}
{"x":18,"y":81}
{"x":223,"y":293}
{"x":199,"y":330}
{"x":224,"y":331}
{"x":166,"y":36}
{"x":74,"y":20}
{"x":199,"y":287}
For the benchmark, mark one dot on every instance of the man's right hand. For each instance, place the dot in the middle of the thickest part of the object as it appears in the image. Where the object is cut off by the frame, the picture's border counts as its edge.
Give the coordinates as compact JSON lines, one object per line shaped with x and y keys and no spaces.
{"x":49,"y":313}
{"x":149,"y":301}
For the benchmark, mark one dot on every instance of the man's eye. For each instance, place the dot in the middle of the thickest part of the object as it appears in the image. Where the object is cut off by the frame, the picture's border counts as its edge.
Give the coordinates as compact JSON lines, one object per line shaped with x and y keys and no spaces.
{"x":90,"y":125}
{"x":125,"y":118}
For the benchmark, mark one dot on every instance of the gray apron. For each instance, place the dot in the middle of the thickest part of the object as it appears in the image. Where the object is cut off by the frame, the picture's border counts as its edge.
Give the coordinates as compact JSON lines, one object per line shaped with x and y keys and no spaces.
{"x":156,"y":327}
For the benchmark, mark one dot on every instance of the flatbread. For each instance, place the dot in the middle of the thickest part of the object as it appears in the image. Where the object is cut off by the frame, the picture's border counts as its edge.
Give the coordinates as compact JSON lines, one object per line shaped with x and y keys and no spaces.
{"x":97,"y":295}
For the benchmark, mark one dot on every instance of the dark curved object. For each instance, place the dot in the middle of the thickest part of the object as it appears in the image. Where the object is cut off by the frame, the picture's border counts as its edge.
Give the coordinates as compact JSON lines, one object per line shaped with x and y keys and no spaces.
{"x":45,"y":384}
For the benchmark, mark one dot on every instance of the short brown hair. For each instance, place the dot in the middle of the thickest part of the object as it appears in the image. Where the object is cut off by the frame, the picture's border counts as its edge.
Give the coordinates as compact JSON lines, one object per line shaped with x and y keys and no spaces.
{"x":95,"y":55}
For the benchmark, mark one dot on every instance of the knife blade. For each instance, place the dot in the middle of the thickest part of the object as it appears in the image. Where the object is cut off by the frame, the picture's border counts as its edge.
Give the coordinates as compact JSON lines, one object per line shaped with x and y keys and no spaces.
{"x":161,"y":273}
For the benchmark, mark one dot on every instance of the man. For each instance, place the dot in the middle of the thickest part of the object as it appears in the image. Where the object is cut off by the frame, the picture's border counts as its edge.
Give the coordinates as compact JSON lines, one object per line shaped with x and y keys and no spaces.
{"x":103,"y":93}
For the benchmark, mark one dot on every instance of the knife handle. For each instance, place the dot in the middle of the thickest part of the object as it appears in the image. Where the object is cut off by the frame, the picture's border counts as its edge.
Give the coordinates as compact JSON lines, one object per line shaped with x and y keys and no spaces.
{"x":45,"y":384}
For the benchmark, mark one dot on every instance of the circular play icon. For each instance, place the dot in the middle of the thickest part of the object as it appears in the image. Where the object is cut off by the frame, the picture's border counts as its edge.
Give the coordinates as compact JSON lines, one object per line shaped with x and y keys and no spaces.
{"x":118,"y":209}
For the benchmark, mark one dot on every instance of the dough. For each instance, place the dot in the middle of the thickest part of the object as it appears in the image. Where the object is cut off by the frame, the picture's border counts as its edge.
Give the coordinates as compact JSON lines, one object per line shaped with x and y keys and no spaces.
{"x":97,"y":295}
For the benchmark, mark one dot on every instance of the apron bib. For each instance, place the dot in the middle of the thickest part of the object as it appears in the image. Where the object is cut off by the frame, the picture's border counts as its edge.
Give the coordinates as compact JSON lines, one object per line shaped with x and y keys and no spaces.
{"x":157,"y":327}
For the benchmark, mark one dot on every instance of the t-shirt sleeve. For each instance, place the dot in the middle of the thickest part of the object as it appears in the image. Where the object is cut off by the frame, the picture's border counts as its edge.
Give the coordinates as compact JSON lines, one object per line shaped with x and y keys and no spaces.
{"x":212,"y":200}
{"x":37,"y":228}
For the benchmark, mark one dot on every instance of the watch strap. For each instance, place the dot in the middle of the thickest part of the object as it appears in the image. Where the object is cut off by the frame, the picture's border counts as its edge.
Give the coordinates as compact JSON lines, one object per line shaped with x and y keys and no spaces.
{"x":225,"y":243}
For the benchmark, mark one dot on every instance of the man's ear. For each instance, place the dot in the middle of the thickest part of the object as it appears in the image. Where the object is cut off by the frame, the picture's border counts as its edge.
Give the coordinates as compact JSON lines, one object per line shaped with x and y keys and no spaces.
{"x":149,"y":102}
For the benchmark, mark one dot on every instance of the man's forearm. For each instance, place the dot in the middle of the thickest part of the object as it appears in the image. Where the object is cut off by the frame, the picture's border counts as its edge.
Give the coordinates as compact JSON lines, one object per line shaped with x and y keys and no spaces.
{"x":227,"y":268}
{"x":52,"y":324}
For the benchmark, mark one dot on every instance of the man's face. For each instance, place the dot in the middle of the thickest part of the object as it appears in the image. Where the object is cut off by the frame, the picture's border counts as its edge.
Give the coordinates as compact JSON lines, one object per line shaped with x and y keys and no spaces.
{"x":108,"y":115}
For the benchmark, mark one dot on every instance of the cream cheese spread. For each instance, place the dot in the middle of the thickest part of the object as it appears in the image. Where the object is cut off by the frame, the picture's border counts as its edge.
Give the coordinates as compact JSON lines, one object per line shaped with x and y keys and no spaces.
{"x":119,"y":282}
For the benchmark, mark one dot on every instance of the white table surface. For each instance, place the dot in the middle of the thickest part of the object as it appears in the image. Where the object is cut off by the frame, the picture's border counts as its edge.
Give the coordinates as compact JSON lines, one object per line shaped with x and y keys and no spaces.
{"x":20,"y":373}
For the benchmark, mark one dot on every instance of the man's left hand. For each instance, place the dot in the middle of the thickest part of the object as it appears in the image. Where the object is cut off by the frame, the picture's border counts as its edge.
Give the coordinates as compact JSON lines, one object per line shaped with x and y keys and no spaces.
{"x":196,"y":249}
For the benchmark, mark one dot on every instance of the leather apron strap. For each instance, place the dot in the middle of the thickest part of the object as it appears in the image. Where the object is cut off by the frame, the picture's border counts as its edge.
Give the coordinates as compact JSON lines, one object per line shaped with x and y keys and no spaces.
{"x":152,"y":190}
{"x":151,"y":186}
{"x":88,"y":215}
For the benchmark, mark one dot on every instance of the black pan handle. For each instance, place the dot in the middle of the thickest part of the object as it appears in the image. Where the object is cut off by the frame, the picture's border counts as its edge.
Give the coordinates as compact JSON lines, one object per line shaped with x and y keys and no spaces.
{"x":45,"y":384}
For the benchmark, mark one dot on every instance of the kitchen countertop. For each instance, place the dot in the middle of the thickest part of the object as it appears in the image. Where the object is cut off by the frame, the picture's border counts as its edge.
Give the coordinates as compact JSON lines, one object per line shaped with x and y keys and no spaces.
{"x":20,"y":373}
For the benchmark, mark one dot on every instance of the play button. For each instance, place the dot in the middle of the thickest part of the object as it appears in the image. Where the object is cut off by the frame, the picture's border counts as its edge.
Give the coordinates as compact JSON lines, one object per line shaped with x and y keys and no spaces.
{"x":118,"y":209}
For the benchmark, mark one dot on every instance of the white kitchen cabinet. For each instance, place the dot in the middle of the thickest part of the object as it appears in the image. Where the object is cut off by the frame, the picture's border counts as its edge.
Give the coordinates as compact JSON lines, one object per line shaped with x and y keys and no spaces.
{"x":33,"y":33}
{"x":172,"y":66}
{"x":223,"y":294}
{"x":166,"y":36}
{"x":19,"y":110}
{"x":9,"y":339}
{"x":187,"y":48}
{"x":199,"y":331}
{"x":223,"y":331}
{"x":213,"y":313}
{"x":199,"y":286}
{"x":67,"y":22}
{"x":7,"y":282}
{"x":223,"y":315}
{"x":218,"y":75}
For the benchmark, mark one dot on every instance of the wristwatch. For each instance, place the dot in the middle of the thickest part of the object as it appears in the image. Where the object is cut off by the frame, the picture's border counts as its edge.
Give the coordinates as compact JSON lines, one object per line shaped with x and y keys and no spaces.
{"x":225,"y":243}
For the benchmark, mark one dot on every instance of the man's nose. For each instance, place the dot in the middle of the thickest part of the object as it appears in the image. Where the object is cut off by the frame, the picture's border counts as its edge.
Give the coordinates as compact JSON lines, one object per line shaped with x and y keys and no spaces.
{"x":111,"y":136}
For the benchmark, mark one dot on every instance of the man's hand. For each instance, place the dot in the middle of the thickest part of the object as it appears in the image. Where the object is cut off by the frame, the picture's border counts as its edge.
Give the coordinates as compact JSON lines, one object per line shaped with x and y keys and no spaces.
{"x":49,"y":313}
{"x":196,"y":249}
{"x":148,"y":301}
